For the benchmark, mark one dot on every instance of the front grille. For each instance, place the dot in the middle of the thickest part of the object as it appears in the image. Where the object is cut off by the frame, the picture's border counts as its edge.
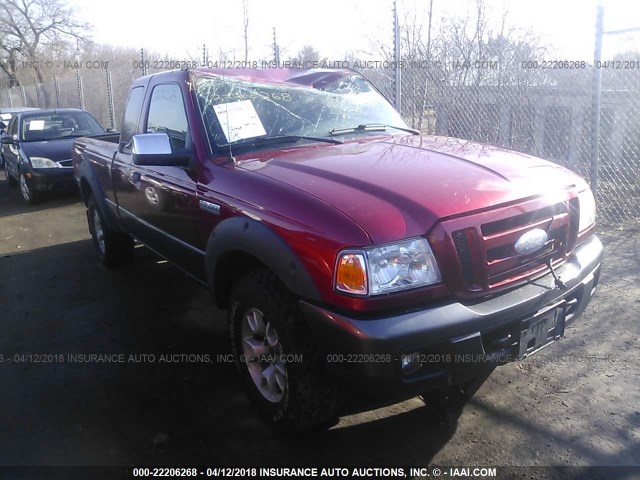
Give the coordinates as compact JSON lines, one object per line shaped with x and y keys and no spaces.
{"x":527,"y":218}
{"x":464,"y":255}
{"x":485,"y":243}
{"x":66,"y":163}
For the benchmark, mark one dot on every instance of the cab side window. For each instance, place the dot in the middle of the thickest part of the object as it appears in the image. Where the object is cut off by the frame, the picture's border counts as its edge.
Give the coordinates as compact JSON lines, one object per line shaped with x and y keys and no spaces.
{"x":167,"y":115}
{"x":130,"y":119}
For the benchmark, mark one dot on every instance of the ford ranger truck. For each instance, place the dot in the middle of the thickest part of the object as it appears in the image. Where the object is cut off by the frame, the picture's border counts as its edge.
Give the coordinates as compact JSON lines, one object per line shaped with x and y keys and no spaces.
{"x":355,"y":257}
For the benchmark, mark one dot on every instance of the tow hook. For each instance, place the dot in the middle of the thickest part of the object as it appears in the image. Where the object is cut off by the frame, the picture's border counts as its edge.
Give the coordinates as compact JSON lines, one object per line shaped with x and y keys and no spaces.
{"x":558,"y":281}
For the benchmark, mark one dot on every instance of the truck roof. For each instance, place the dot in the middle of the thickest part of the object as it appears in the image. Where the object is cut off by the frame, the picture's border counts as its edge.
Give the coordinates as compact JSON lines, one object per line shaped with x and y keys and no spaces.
{"x":316,"y":77}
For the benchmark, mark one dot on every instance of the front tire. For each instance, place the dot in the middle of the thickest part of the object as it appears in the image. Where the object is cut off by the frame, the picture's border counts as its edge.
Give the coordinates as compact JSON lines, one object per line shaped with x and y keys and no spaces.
{"x":29,"y":194}
{"x":281,"y":369}
{"x":114,"y":248}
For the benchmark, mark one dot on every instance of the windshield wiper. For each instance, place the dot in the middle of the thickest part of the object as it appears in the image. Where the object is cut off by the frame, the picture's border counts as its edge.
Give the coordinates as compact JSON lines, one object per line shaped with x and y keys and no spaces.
{"x":255,"y":142}
{"x":371,"y":127}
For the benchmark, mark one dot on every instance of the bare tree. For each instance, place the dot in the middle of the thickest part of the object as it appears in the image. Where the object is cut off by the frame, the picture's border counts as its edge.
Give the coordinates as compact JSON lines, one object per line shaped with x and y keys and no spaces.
{"x":28,"y":25}
{"x":307,"y":55}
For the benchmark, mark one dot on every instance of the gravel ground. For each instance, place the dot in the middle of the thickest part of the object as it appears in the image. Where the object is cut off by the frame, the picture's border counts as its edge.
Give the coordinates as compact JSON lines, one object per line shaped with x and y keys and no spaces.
{"x":576,"y":403}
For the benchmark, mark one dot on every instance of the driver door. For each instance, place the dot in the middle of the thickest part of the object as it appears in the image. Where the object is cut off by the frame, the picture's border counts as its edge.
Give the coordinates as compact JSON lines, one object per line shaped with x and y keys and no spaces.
{"x":158,"y":203}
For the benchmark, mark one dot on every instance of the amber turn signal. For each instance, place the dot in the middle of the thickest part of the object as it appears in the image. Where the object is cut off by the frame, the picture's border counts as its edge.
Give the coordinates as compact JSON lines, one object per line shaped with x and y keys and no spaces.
{"x":351,"y":276}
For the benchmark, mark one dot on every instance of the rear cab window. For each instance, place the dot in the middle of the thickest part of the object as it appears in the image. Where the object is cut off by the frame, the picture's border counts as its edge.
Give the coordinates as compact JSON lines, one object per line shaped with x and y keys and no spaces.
{"x":130,"y":118}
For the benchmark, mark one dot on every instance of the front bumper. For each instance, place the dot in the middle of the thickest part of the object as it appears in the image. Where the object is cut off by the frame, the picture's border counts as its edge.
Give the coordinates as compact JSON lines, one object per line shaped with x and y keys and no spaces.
{"x":455,"y":341}
{"x":51,"y":179}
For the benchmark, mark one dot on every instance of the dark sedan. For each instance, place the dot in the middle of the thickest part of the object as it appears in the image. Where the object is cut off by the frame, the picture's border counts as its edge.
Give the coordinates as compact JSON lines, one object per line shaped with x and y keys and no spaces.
{"x":36,"y":148}
{"x":5,"y":117}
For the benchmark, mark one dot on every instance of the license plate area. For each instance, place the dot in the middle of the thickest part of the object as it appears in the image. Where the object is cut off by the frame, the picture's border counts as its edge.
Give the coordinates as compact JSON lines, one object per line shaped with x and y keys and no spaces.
{"x":544,"y":328}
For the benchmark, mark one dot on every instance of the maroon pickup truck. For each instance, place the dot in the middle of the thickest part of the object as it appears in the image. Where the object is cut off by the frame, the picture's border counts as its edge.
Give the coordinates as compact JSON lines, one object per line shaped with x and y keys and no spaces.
{"x":353,"y":255}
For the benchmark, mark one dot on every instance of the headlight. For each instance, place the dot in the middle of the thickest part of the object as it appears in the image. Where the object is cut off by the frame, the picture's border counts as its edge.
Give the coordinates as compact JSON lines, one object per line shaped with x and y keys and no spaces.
{"x":587,"y":210}
{"x":386,"y":269}
{"x":41,"y":162}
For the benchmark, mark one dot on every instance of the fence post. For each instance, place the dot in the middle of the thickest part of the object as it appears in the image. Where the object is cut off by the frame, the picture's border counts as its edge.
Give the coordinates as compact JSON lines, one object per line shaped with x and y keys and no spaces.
{"x":596,"y":96}
{"x":9,"y":96}
{"x":80,"y":89}
{"x":276,"y":49}
{"x":37,"y":92}
{"x":142,"y":64}
{"x":56,"y":87}
{"x":396,"y":55}
{"x":110,"y":100}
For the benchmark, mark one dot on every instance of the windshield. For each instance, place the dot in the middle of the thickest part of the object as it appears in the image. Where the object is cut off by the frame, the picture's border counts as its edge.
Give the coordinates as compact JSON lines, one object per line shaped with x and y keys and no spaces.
{"x":56,"y":125}
{"x":306,"y":104}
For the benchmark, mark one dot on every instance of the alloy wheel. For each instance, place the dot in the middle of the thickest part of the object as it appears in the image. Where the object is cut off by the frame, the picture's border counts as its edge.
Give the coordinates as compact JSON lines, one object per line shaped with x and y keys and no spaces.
{"x":263,"y":355}
{"x":24,"y":188}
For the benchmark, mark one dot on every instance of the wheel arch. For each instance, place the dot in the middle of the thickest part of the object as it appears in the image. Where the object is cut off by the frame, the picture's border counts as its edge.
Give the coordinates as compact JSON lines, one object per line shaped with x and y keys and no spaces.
{"x":239,"y":245}
{"x":89,"y":186}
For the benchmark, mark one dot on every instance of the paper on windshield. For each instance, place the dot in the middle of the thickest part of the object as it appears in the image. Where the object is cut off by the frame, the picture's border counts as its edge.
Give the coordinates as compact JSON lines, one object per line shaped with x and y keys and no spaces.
{"x":239,"y":120}
{"x":36,"y":125}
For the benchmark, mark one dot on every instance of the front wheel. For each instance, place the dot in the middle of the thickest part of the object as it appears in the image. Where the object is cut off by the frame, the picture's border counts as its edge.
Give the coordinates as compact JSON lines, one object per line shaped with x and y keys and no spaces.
{"x":280,"y":367}
{"x":29,"y":195}
{"x":114,"y":248}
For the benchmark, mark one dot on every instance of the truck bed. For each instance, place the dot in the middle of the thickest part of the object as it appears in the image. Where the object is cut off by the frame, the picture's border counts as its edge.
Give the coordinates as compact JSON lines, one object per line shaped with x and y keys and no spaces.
{"x":102,"y":148}
{"x":113,"y":137}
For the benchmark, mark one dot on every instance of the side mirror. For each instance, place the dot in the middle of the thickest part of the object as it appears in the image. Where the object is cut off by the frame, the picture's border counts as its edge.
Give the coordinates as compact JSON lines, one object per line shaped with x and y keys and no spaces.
{"x":155,"y":149}
{"x":9,"y":140}
{"x":3,"y":126}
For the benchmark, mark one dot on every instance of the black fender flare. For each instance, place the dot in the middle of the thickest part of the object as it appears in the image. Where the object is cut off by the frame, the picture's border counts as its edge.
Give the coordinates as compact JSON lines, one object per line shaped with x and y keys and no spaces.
{"x":248,"y":236}
{"x":87,"y":174}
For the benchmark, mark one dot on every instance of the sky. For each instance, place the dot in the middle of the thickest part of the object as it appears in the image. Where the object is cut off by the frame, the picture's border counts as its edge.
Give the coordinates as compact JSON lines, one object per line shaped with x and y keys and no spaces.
{"x":335,"y":27}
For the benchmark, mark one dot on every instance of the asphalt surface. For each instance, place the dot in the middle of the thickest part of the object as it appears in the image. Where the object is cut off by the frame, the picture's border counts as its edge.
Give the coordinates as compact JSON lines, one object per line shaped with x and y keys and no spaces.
{"x":160,"y":395}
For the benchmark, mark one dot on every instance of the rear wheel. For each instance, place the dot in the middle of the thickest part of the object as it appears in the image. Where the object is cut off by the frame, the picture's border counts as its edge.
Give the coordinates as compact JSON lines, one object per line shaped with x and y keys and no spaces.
{"x":114,"y":248}
{"x":281,"y":370}
{"x":10,"y":180}
{"x":29,"y":194}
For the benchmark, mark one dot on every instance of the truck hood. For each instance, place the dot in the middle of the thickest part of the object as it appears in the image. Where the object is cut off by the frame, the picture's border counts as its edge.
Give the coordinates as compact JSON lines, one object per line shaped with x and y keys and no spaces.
{"x":399,"y":187}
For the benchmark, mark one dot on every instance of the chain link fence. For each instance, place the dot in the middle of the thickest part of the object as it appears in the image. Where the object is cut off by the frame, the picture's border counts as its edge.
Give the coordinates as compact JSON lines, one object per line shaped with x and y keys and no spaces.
{"x":65,"y":92}
{"x":102,"y":92}
{"x":619,"y":147}
{"x":540,"y":107}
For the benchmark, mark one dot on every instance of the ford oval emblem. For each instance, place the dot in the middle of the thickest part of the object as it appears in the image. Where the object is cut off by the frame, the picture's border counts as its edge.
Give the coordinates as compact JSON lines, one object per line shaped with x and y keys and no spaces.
{"x":531,"y":242}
